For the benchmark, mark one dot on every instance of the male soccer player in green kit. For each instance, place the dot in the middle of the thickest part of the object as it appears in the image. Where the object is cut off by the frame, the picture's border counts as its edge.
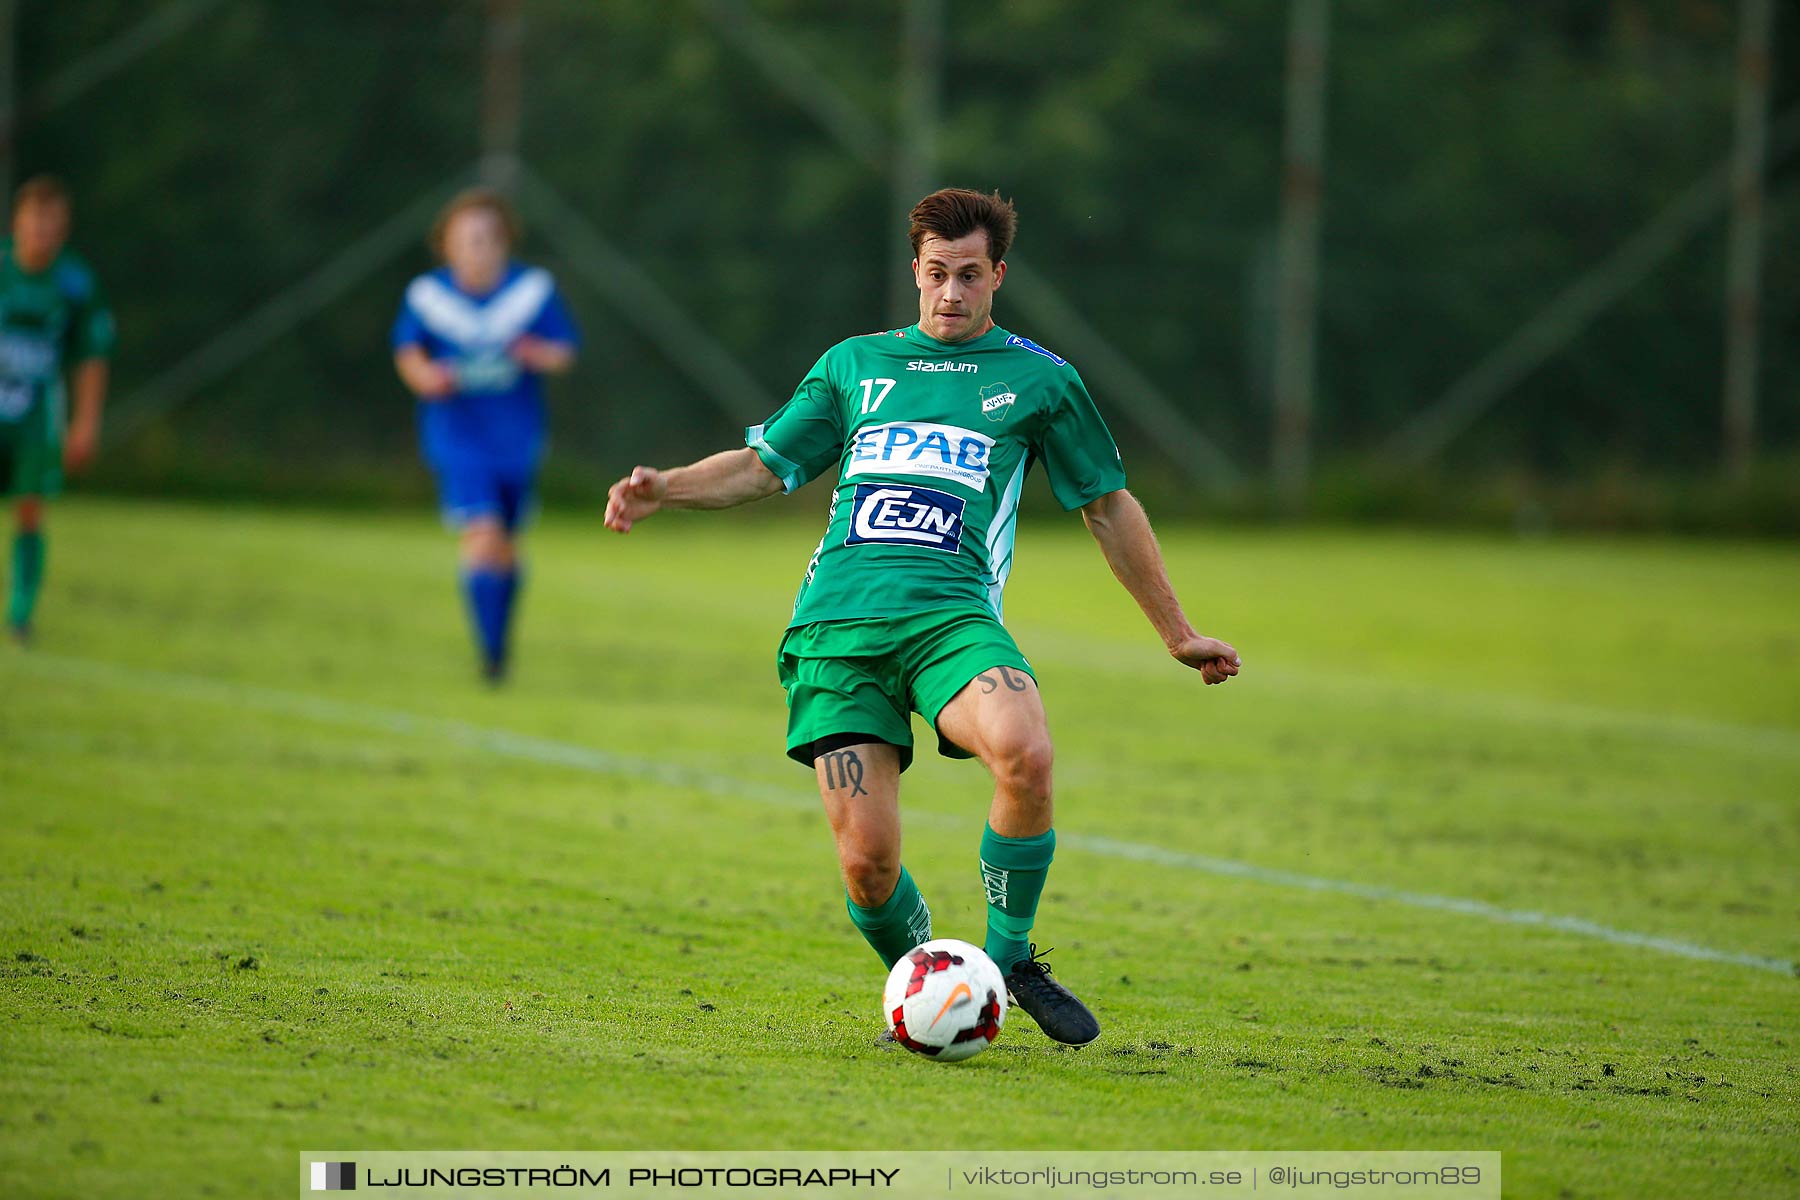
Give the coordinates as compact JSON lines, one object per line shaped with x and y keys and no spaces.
{"x":53,"y":320}
{"x":931,"y":430}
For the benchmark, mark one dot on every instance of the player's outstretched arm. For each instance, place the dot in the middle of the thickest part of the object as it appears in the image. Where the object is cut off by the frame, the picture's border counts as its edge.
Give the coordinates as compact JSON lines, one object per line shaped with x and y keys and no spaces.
{"x":1118,"y":523}
{"x":727,"y":479}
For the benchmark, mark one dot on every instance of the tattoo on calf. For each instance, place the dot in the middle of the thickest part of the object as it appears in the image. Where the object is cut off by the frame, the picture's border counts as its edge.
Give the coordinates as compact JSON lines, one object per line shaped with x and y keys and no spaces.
{"x":1015,"y":680}
{"x":844,"y":768}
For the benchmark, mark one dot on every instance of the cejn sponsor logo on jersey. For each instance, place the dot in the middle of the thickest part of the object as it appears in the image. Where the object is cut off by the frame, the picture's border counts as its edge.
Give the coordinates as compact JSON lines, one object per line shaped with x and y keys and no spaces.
{"x":919,"y":364}
{"x":918,"y":448}
{"x":897,"y":515}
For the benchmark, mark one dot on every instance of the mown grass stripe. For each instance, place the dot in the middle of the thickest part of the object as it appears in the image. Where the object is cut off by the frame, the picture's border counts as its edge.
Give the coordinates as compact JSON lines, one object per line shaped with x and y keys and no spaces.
{"x":549,"y":752}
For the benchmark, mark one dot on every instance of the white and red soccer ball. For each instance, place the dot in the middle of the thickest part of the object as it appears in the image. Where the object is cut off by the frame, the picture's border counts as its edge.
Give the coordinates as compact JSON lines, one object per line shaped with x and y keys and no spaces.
{"x":946,"y":1000}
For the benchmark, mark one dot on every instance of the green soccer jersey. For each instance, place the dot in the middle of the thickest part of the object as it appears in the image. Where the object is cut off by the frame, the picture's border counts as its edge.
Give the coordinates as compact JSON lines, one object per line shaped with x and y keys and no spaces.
{"x":931,"y":442}
{"x":49,"y":321}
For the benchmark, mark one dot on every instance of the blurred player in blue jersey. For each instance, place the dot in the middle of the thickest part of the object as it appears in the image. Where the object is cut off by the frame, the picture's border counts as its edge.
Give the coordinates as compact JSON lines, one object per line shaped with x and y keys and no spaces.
{"x":474,"y":340}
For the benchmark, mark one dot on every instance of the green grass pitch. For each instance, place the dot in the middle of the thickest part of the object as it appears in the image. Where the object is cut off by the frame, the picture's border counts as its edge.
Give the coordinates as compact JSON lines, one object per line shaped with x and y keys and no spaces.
{"x":276,"y":873}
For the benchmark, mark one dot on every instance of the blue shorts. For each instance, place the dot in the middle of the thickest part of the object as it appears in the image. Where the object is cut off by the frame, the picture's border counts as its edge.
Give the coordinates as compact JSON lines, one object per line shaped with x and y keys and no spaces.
{"x":472,"y":491}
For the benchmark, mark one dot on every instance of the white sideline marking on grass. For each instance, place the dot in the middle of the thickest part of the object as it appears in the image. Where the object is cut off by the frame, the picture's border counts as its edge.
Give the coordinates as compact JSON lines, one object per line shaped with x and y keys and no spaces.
{"x":1139,"y":852}
{"x":545,"y":751}
{"x":392,"y":720}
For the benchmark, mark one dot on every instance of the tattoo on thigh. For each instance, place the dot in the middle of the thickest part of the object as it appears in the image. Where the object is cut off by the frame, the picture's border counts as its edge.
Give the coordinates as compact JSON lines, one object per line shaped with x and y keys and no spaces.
{"x":1015,"y":680}
{"x":988,"y":686}
{"x":845,"y":769}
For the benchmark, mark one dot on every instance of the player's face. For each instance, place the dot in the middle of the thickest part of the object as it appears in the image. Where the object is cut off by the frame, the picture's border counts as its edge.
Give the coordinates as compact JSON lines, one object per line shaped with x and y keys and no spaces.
{"x":476,"y":248}
{"x":956,"y":286}
{"x":39,"y":228}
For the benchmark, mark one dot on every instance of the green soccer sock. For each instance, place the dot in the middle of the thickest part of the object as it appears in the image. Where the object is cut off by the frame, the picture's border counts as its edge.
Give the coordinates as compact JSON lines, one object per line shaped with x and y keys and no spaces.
{"x":1013,"y":871}
{"x":895,"y":925}
{"x":27,"y":577}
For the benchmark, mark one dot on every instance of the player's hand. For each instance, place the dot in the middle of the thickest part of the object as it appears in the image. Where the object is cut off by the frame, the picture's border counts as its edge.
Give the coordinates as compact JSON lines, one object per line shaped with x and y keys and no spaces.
{"x":78,"y":448}
{"x":635,"y":497}
{"x":432,"y":380}
{"x":540,"y":354}
{"x":1215,"y":660}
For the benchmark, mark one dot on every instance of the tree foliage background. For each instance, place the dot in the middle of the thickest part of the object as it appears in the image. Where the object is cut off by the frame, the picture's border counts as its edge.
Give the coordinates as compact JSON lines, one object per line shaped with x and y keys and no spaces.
{"x":1481,"y":156}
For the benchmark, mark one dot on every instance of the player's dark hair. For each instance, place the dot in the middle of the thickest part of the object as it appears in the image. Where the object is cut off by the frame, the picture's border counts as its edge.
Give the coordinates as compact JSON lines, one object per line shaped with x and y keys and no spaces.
{"x":41,"y":189}
{"x":952,"y":213}
{"x":463,"y":201}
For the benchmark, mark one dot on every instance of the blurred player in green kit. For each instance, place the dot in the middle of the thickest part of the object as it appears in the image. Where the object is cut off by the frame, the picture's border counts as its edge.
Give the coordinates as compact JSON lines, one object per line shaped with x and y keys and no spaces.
{"x":929,"y":432}
{"x":53,"y":321}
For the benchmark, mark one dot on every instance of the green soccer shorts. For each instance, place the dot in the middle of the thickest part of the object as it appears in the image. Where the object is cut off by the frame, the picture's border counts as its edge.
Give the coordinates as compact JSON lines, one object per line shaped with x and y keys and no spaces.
{"x":30,"y":462}
{"x":866,"y":676}
{"x":30,"y":439}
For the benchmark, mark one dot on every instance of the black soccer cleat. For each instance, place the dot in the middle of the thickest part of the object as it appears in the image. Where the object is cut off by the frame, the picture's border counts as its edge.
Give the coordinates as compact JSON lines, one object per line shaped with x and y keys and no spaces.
{"x":1054,"y":1007}
{"x":20,"y":634}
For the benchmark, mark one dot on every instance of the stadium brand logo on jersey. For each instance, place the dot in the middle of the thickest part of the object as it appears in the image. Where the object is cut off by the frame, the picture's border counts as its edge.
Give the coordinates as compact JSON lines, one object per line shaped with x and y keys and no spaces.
{"x":919,"y":448}
{"x":1028,"y":344}
{"x":996,"y":398}
{"x":919,"y":364}
{"x":895,"y":515}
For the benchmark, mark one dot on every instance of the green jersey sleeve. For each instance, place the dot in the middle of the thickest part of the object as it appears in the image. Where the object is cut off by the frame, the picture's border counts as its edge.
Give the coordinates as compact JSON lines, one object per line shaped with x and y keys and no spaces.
{"x":91,"y":332}
{"x":1077,"y":449}
{"x":806,"y":435}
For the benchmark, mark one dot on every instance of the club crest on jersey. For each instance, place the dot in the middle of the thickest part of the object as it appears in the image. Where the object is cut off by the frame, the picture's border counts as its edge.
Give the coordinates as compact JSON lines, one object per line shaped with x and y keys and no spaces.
{"x":996,"y":398}
{"x":895,"y":514}
{"x":921,"y":449}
